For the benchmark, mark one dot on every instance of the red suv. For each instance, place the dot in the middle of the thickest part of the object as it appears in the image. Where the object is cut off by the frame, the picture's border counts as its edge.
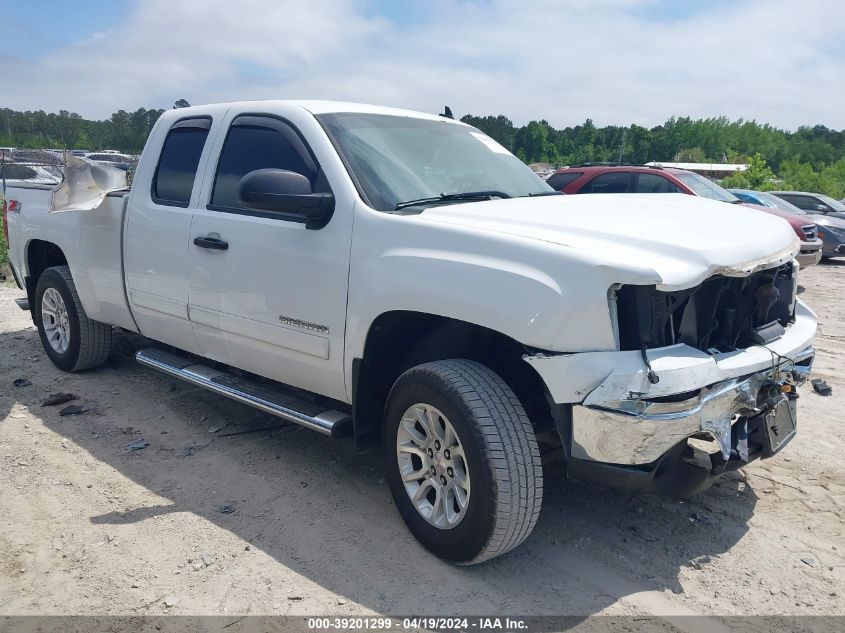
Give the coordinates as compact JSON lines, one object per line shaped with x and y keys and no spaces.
{"x":599,"y":178}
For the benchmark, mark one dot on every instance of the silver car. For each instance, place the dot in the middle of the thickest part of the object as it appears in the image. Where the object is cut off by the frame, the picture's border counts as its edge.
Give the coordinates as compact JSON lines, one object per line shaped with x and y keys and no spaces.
{"x":829,"y":218}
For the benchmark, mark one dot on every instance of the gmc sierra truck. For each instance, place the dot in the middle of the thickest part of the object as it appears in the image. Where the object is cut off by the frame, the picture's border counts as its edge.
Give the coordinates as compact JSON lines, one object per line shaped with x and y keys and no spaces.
{"x":403,"y":279}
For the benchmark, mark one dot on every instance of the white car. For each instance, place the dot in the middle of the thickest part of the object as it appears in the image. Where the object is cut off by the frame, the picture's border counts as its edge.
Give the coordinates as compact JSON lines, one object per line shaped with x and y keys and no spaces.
{"x":436,"y":299}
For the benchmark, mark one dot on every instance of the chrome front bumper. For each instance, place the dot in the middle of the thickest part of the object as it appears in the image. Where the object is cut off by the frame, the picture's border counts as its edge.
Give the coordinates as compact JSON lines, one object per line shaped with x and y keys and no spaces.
{"x":639,"y":430}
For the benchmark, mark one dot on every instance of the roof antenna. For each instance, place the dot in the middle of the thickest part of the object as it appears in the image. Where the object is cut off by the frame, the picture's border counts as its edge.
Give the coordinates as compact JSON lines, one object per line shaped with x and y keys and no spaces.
{"x":447,"y":112}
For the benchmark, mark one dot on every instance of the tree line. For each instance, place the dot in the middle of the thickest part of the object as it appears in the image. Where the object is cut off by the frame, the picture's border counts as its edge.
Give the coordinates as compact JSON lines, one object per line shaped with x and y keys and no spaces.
{"x":809,"y":159}
{"x":123,"y":131}
{"x":812,"y":157}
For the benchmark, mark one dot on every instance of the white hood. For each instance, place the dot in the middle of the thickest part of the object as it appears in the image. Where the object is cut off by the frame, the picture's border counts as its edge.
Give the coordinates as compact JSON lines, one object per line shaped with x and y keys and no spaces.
{"x":683,"y":239}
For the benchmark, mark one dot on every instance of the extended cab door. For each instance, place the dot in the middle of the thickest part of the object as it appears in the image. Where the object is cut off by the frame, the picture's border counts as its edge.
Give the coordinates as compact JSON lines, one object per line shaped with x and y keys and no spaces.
{"x":157,"y":233}
{"x":267,"y":294}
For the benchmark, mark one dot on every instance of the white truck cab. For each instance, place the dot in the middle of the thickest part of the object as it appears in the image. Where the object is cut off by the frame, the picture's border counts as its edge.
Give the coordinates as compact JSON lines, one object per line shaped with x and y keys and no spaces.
{"x":402,"y":278}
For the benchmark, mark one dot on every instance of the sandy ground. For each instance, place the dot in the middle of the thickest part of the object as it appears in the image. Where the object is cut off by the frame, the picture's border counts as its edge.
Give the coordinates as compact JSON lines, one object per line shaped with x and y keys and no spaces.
{"x":290,"y":522}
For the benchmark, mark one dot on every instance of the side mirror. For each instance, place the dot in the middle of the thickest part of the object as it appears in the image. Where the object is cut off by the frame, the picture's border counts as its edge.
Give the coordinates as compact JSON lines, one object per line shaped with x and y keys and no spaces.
{"x":286,"y":192}
{"x":822,"y":207}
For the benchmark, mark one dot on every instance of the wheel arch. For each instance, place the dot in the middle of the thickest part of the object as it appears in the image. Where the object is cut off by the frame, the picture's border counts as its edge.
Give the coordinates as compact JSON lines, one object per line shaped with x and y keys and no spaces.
{"x":401,"y":339}
{"x":40,"y":255}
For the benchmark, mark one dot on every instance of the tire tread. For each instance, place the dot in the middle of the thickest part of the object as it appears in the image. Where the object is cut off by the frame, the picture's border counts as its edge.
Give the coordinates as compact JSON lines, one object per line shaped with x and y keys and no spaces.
{"x":94,"y":337}
{"x":509,"y":445}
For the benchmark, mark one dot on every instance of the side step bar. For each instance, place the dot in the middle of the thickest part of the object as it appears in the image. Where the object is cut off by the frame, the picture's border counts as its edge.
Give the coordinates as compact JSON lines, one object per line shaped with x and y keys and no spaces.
{"x":273,"y":399}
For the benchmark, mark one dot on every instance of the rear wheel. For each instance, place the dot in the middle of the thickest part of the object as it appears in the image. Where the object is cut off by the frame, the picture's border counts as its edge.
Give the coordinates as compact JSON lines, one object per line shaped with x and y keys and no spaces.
{"x":72,"y":340}
{"x":462,"y":460}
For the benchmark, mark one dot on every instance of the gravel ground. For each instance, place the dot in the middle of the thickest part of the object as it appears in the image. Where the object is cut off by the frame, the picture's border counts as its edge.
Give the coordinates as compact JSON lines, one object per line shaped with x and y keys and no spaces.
{"x":286,"y":521}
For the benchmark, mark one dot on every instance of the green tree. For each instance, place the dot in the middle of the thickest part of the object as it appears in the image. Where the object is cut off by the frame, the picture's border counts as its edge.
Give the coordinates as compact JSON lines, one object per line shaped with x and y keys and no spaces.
{"x":801,"y":176}
{"x":638,"y":145}
{"x":691,"y":155}
{"x":833,"y":178}
{"x":758,"y":175}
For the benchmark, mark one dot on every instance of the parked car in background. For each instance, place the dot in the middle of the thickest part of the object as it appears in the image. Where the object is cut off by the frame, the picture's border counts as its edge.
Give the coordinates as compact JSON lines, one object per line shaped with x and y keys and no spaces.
{"x":814,"y":203}
{"x":36,"y":156}
{"x":831,"y":229}
{"x":112,"y":159}
{"x":12,"y":172}
{"x":765,"y":199}
{"x":607,"y":178}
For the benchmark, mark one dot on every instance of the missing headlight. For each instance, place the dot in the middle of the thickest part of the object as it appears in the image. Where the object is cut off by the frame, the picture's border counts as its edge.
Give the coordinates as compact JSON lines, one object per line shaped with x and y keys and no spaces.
{"x":719,"y":315}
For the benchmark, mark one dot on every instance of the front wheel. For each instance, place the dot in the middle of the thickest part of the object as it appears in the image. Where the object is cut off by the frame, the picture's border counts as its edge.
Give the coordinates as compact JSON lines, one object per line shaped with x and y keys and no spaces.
{"x":72,"y":340}
{"x":462,"y":461}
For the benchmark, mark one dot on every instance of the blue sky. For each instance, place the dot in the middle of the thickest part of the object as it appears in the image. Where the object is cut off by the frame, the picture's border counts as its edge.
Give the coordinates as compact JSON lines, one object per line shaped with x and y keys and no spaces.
{"x":49,"y":25}
{"x":616,"y":61}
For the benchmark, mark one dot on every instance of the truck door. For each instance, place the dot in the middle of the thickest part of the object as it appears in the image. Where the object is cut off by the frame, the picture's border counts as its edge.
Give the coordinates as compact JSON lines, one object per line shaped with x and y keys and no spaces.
{"x":156,"y":237}
{"x":266,"y":294}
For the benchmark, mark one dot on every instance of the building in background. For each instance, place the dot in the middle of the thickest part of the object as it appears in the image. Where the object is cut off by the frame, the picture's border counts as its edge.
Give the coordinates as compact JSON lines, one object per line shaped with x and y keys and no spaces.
{"x":714,"y":171}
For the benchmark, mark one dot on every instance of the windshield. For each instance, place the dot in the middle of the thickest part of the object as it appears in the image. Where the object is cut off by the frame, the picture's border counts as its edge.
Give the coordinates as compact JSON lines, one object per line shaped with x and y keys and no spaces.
{"x":780,"y":203}
{"x":705,"y":188}
{"x":835,"y":204}
{"x":394,"y":159}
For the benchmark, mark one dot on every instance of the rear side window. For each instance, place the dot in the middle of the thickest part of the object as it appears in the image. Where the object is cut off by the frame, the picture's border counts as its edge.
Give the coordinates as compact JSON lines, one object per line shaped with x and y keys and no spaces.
{"x":610,"y":182}
{"x":177,"y":165}
{"x":257,"y":143}
{"x":559,"y":181}
{"x":652,"y":183}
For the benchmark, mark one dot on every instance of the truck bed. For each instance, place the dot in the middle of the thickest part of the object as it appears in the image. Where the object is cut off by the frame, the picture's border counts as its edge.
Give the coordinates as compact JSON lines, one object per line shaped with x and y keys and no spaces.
{"x":91,"y":241}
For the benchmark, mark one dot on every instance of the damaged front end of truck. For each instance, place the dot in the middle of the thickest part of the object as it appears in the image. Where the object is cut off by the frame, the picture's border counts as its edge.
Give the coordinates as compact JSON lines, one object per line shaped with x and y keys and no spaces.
{"x":704,"y":381}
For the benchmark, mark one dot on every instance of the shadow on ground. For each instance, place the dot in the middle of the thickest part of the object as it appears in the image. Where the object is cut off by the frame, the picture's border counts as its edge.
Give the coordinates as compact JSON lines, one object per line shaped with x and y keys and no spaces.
{"x":323,"y":511}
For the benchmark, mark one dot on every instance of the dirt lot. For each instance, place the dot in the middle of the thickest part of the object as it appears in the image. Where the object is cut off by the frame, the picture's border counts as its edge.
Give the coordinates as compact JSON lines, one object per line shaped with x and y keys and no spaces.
{"x":289,"y":522}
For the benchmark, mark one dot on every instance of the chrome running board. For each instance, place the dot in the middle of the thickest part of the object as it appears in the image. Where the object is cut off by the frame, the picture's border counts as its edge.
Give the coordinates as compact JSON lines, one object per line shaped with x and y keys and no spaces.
{"x":273,"y":398}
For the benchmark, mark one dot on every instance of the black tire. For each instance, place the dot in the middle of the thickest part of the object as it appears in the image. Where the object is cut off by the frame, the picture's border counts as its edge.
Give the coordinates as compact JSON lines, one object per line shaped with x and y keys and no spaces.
{"x":89,"y":342}
{"x":501,"y":453}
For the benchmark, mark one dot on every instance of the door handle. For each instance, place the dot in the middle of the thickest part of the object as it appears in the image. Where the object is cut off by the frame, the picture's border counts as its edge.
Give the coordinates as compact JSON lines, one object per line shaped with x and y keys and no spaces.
{"x":214,"y":243}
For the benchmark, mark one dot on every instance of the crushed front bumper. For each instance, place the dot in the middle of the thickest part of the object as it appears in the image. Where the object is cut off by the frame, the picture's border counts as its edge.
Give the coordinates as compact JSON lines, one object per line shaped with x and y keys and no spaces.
{"x":640,"y":431}
{"x":706,"y":415}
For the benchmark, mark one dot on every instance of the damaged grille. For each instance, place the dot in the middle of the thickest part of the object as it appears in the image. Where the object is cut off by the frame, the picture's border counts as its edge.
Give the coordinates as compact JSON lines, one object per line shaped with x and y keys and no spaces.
{"x":720,"y":315}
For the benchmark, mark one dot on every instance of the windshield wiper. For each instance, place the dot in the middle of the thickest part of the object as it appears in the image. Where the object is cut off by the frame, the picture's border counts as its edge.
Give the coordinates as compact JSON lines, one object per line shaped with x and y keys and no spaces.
{"x":546,"y":193}
{"x":448,"y":197}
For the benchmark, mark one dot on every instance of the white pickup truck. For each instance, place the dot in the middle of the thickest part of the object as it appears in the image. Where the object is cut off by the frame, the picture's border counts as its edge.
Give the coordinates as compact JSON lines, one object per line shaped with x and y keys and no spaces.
{"x":404,"y":279}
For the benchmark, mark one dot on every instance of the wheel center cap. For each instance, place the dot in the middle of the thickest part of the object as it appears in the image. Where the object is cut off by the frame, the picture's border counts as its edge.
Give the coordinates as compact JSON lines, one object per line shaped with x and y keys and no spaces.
{"x":439,"y":463}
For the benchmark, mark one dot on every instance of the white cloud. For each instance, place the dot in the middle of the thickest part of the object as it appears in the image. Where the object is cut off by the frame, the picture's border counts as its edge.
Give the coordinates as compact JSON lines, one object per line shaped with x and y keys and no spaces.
{"x":611,"y":60}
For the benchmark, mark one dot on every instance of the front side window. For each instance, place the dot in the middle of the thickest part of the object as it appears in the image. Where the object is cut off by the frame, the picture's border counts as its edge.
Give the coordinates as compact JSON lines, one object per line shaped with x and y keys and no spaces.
{"x":834,"y":205}
{"x":256,"y":143}
{"x":806,"y":203}
{"x":177,"y":165}
{"x":609,"y":182}
{"x":396,"y":159}
{"x":652,"y":183}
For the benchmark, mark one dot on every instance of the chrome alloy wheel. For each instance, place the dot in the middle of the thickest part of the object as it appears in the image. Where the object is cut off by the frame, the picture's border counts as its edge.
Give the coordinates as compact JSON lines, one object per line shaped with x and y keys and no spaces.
{"x":55,"y":319}
{"x":433,"y":466}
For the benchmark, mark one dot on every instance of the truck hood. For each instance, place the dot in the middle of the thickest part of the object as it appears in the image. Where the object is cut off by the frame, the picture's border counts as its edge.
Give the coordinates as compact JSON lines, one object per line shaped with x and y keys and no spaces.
{"x":674,"y":240}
